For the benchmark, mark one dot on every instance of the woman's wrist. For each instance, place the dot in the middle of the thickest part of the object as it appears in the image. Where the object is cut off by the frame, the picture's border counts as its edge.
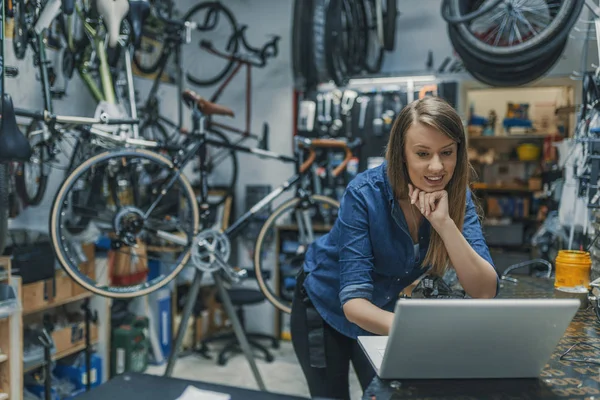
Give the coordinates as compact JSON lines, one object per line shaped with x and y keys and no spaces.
{"x":445,"y":228}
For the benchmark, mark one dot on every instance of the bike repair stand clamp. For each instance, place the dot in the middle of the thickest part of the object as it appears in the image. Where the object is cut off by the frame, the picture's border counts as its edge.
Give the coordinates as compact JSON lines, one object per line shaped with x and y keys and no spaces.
{"x":209,"y":255}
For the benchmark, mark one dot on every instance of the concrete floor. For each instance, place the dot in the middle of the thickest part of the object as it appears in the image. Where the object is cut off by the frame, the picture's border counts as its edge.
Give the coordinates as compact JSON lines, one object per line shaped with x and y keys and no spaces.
{"x":281,"y":376}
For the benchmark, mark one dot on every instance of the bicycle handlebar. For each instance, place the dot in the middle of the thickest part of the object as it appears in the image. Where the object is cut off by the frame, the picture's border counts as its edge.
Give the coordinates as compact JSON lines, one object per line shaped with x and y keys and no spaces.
{"x":312,"y":144}
{"x":269,"y":49}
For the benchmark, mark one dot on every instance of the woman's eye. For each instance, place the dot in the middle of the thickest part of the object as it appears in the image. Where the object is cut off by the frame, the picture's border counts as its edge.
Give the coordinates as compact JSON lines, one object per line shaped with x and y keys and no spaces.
{"x":421,"y":154}
{"x":447,"y":153}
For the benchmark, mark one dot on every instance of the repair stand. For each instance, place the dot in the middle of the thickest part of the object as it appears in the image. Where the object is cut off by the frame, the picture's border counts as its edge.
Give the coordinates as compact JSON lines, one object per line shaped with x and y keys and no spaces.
{"x":89,"y":318}
{"x":229,"y":309}
{"x":46,"y":341}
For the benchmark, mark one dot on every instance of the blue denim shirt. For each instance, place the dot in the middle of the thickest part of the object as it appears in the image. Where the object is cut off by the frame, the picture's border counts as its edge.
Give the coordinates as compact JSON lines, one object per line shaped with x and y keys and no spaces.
{"x":369,"y":255}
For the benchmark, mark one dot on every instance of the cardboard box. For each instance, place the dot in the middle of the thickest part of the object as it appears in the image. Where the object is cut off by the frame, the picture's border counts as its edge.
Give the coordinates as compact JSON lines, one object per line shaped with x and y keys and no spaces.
{"x":72,"y":336}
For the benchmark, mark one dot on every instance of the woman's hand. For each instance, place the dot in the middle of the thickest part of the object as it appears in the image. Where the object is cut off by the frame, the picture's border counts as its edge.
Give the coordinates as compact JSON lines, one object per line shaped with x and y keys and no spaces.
{"x":433,"y":206}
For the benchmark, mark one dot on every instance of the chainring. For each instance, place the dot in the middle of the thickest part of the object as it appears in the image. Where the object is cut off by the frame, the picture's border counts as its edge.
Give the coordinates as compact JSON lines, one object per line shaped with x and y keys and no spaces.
{"x":207,"y":245}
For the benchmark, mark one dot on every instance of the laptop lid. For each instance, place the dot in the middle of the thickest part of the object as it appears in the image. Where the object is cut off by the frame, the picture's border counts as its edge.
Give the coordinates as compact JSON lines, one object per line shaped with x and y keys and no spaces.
{"x":474,"y":338}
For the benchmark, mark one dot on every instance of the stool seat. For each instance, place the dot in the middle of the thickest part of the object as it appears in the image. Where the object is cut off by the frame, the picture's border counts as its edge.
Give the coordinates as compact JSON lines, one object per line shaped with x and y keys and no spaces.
{"x":244,"y":296}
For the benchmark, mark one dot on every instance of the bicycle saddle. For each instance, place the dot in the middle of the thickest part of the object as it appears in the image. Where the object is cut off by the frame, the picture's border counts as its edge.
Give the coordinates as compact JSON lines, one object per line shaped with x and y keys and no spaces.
{"x":14,"y":146}
{"x":112,"y":12}
{"x":207,"y":108}
{"x":138,"y":12}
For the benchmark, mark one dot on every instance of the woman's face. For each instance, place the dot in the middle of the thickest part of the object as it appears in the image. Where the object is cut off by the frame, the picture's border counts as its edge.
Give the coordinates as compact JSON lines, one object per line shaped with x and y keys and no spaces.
{"x":430,"y":157}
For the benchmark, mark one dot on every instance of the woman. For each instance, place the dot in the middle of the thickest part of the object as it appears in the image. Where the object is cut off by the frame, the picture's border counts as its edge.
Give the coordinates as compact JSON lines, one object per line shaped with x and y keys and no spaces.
{"x":410,"y":216}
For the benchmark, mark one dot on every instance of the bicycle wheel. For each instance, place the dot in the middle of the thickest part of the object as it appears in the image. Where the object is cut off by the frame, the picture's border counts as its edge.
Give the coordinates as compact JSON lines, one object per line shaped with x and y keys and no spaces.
{"x":153,"y":130}
{"x":31,"y":178}
{"x":218,"y":24}
{"x":141,"y":205}
{"x":294,"y":224}
{"x":222,"y":168}
{"x":4,"y":206}
{"x":374,"y":58}
{"x":522,"y":27}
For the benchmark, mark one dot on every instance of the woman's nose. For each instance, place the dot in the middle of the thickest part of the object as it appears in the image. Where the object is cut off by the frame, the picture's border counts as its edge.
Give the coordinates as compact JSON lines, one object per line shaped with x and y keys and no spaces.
{"x":436,"y":164}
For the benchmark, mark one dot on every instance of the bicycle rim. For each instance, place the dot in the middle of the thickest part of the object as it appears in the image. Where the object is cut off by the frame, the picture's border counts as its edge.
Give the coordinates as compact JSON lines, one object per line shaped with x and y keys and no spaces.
{"x":321,"y":214}
{"x":31,"y":178}
{"x":220,"y":23}
{"x":144,"y":255}
{"x":525,"y":26}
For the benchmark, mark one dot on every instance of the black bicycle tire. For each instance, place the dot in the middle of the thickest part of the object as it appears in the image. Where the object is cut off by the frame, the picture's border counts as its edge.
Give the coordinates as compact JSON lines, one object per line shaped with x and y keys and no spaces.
{"x":300,"y":45}
{"x":468,"y":17}
{"x":155,"y":124}
{"x":20,"y":41}
{"x":318,"y":48}
{"x":20,"y":178}
{"x":509,"y":75}
{"x":525,"y":75}
{"x":552,"y":29}
{"x":361,"y":32}
{"x":217,"y":78}
{"x":334,"y":51}
{"x":57,"y":240}
{"x":350,"y":52}
{"x":389,"y":25}
{"x":517,"y":58}
{"x":258,"y":250}
{"x":145,"y":69}
{"x":229,"y":188}
{"x":369,"y":14}
{"x":4,"y":206}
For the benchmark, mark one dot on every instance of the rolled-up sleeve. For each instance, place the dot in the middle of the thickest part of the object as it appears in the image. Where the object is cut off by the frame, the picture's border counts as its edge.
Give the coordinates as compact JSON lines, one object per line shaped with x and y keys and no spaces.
{"x":355,"y":250}
{"x":474,"y":235}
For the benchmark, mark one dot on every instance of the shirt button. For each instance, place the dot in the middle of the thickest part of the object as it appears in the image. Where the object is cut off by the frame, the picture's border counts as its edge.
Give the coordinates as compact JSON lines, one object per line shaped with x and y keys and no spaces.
{"x":388,"y":297}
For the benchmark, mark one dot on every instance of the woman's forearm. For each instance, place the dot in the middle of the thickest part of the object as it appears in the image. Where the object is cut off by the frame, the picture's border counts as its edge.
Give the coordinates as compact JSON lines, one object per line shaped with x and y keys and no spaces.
{"x":476,"y":275}
{"x":368,"y":316}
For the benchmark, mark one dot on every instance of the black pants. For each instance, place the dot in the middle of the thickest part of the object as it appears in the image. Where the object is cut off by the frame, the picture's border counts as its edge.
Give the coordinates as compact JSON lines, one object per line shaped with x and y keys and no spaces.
{"x":332,"y":380}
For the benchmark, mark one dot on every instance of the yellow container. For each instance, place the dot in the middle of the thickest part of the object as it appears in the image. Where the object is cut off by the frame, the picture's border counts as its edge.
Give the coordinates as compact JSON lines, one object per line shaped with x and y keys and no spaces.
{"x":528,"y":152}
{"x":573,"y":271}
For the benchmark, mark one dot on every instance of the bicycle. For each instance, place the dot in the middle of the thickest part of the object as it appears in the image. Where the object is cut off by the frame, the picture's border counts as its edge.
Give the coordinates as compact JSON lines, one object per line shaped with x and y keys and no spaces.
{"x":173,"y":35}
{"x":127,"y":190}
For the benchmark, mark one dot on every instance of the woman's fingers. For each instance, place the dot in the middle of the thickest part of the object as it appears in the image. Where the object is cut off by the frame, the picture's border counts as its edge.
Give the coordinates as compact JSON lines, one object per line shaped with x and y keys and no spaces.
{"x":432,"y":200}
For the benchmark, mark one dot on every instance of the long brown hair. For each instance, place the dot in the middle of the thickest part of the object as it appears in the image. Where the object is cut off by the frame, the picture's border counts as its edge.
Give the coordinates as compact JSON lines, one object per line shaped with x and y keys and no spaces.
{"x":438,"y":114}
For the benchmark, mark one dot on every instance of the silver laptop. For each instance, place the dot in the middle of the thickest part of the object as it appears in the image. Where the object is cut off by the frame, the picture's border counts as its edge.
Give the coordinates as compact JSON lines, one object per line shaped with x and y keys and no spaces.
{"x":469,"y":338}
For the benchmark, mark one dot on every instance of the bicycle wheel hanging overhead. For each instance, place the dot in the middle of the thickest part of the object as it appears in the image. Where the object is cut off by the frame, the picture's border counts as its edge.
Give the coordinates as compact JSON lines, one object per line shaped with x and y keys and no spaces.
{"x":507,"y":42}
{"x":334,"y":40}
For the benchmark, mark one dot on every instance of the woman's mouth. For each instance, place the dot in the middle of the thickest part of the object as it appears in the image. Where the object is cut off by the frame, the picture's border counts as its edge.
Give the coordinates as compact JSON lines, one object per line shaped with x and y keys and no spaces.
{"x":434,"y":180}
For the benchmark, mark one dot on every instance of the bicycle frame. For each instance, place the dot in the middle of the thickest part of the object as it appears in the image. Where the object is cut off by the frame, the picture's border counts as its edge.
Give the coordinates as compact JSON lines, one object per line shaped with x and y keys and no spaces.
{"x":199,"y":149}
{"x":107,"y":91}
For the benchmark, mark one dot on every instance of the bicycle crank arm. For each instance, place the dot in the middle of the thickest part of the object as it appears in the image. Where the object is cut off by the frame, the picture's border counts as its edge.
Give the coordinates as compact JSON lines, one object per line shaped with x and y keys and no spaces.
{"x":182,"y":241}
{"x":232,"y":275}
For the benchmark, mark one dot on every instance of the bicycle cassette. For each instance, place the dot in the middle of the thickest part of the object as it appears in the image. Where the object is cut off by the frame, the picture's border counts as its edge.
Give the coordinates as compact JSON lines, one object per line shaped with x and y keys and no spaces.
{"x":207,"y":245}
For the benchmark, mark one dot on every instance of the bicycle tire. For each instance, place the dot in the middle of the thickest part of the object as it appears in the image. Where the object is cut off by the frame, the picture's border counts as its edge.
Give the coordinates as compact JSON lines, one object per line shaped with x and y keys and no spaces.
{"x":389,"y":25}
{"x":517,"y":58}
{"x":318,"y":48}
{"x":4,"y":206}
{"x":374,"y":60}
{"x":300,"y":44}
{"x":59,"y":246}
{"x":149,"y":68}
{"x":361,"y":32}
{"x":229,"y":186}
{"x":21,"y":175}
{"x":20,"y":31}
{"x":260,"y":240}
{"x":162,"y":135}
{"x":212,"y":5}
{"x":334,"y":43}
{"x":554,"y":28}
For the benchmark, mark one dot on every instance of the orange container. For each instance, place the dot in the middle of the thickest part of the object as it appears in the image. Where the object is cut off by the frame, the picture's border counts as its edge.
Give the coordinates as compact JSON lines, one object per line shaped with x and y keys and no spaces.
{"x":573,"y":271}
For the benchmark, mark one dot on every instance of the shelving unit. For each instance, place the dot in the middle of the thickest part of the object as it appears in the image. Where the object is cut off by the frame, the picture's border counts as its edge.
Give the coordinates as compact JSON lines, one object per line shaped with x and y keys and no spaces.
{"x":10,"y":343}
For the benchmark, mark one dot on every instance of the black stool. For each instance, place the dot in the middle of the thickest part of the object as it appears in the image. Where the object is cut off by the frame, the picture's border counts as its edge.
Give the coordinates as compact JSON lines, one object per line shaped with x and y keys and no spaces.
{"x":241,"y":297}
